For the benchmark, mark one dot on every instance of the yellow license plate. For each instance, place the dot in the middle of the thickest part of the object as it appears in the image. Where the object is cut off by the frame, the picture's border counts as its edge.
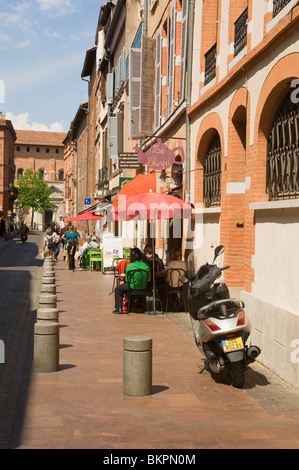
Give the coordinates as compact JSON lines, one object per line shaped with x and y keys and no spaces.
{"x":232,"y":344}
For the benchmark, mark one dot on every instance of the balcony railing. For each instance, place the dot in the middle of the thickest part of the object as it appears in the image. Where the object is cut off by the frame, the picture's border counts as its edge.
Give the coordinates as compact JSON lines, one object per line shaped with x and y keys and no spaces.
{"x":241,"y":26}
{"x":210,"y":64}
{"x":278,"y":5}
{"x":103,"y":174}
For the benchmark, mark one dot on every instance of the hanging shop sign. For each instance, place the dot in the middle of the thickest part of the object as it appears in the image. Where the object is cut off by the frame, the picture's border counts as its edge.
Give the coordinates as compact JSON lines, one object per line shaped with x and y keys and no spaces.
{"x":128,"y":160}
{"x":160,"y":157}
{"x":123,"y":181}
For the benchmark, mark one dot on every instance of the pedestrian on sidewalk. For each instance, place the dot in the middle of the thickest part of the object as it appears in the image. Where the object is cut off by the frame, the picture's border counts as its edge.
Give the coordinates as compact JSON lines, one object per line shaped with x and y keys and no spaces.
{"x":2,"y":225}
{"x":72,"y":243}
{"x":49,"y":240}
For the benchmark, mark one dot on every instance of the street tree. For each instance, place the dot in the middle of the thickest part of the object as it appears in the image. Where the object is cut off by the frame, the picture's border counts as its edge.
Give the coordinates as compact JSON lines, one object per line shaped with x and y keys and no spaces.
{"x":34,"y":193}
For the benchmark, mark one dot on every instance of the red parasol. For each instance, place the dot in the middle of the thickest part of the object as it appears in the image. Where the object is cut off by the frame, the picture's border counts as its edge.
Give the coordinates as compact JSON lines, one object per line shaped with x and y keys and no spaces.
{"x":140,"y":184}
{"x":86,"y":216}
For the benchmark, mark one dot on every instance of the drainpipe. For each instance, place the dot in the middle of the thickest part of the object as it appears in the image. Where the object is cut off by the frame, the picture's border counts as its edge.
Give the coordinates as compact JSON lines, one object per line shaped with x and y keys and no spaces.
{"x":87,"y":131}
{"x":190,"y":30}
{"x":145,"y":18}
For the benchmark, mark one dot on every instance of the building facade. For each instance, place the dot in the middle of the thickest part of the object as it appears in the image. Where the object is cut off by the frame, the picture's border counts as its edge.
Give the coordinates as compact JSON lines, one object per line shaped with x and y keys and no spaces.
{"x":244,"y":121}
{"x":217,"y":83}
{"x":44,"y":152}
{"x":8,"y":193}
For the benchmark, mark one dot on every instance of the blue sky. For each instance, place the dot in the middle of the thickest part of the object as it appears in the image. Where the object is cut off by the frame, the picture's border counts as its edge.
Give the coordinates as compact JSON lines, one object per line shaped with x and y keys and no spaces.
{"x":42,"y":51}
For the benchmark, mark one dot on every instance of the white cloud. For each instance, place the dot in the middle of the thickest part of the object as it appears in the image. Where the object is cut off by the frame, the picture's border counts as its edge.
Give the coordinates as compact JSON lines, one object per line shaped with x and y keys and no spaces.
{"x":57,"y":7}
{"x":23,"y":123}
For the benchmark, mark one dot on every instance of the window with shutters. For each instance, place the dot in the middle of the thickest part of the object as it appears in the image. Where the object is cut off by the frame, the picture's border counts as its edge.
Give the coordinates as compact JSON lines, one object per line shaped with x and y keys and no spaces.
{"x":212,"y":174}
{"x":147,"y":86}
{"x":282,"y":178}
{"x":183,"y":49}
{"x":134,"y":92}
{"x":110,"y":88}
{"x":171,"y":61}
{"x":112,"y":141}
{"x":158,"y":79}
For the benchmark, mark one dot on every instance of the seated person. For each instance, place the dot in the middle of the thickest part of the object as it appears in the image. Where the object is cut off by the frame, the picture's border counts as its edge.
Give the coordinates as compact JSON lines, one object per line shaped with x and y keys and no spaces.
{"x":172,"y":277}
{"x":121,"y":268}
{"x":94,"y":244}
{"x":83,"y":258}
{"x":138,"y":283}
{"x":158,"y":263}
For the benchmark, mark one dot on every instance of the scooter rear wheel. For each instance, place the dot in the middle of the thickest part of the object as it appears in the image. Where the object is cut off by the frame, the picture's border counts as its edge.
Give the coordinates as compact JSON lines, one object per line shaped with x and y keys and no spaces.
{"x":237,"y":371}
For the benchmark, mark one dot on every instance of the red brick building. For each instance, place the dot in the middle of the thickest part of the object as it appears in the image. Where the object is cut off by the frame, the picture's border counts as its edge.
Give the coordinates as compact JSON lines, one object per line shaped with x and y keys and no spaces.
{"x":44,"y":152}
{"x":7,"y":166}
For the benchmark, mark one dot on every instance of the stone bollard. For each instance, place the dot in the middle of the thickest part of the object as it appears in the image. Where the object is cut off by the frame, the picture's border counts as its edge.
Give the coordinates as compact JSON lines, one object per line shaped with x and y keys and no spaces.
{"x":137,"y":366}
{"x":48,"y":289}
{"x":47,"y":301}
{"x":48,"y":272}
{"x":48,"y":315}
{"x":48,"y":280}
{"x":46,"y":346}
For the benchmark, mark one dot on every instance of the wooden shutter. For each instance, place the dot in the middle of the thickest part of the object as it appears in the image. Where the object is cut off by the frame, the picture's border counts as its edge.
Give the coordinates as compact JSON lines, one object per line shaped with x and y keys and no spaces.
{"x":134,"y":93}
{"x":158,"y":79}
{"x":172,"y":58}
{"x":147,"y":86}
{"x":100,"y":47}
{"x":112,"y":129}
{"x":120,"y":131}
{"x":110,"y":83}
{"x":122,"y":66}
{"x":183,"y":49}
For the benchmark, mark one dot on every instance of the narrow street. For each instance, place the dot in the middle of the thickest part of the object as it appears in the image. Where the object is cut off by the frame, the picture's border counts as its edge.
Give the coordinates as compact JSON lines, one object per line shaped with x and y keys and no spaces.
{"x":82,"y":406}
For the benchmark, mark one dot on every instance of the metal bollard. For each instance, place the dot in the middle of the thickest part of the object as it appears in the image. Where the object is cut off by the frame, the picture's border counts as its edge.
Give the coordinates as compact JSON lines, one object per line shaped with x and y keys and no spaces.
{"x":47,"y":314}
{"x":137,"y":366}
{"x":46,"y":347}
{"x":47,"y":301}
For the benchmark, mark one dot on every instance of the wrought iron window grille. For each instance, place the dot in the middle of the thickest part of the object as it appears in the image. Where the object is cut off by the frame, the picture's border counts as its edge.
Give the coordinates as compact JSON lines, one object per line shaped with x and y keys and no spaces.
{"x":212,"y":174}
{"x":241,"y":27}
{"x":282,"y":176}
{"x":279,"y":5}
{"x":210,"y":64}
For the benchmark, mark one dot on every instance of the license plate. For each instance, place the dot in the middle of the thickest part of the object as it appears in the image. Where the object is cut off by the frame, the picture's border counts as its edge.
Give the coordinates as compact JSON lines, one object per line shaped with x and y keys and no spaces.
{"x":232,"y":344}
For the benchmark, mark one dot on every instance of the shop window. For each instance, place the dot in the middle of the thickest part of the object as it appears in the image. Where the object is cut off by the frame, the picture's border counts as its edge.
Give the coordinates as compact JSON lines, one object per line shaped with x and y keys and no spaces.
{"x":282,"y":177}
{"x":212,"y":174}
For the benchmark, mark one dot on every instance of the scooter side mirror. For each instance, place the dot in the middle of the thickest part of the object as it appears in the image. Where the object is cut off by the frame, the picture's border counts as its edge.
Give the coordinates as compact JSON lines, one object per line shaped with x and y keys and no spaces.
{"x":218,"y":251}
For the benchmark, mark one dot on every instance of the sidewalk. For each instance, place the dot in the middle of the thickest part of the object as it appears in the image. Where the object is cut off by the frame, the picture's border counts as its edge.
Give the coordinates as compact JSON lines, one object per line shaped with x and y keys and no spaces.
{"x":82,"y":407}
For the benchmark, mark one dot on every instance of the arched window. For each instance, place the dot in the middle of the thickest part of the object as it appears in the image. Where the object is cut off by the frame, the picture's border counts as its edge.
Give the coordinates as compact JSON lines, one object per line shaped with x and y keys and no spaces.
{"x":212,"y":174}
{"x":282,"y":179}
{"x":20,"y":173}
{"x":41,"y":171}
{"x":60,"y":175}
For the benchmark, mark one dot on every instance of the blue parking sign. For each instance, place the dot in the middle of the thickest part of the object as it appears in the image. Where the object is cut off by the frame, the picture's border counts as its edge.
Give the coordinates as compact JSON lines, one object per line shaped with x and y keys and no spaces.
{"x":87,"y":201}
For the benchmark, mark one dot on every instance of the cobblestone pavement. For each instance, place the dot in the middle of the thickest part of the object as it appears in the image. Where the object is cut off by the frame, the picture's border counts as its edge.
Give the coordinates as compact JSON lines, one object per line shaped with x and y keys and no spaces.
{"x":82,"y":405}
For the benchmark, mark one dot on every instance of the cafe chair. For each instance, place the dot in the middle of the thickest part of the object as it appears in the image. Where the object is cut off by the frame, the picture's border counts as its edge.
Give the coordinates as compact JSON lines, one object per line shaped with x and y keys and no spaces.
{"x":137,"y":298}
{"x":174,"y":287}
{"x":95,"y":256}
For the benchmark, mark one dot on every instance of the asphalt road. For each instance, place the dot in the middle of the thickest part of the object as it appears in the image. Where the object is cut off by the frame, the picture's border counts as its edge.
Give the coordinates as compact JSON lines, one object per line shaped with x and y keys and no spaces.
{"x":20,"y":276}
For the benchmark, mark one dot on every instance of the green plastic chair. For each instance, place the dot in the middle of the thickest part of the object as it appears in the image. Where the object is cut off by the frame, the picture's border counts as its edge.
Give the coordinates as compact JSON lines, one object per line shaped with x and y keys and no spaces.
{"x":127,"y":252}
{"x":95,"y":256}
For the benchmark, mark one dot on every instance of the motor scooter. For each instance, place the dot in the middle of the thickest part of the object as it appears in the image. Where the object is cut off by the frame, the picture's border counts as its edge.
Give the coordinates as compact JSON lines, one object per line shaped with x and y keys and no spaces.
{"x":24,"y":236}
{"x":221,"y":328}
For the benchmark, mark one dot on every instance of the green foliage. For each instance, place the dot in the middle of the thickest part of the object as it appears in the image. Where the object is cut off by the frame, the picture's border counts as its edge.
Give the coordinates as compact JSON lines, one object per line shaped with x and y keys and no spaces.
{"x":33,"y":192}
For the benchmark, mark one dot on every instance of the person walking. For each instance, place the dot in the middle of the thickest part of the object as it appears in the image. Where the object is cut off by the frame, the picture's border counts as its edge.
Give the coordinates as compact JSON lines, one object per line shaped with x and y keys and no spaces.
{"x":72,"y":243}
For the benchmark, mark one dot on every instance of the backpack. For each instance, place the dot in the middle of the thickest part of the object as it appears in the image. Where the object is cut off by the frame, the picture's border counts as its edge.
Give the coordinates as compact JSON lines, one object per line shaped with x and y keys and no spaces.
{"x":50,"y":243}
{"x":71,"y":242}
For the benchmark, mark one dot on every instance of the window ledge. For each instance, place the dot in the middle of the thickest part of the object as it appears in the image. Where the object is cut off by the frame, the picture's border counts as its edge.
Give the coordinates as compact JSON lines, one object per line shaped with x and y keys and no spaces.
{"x":268,"y":205}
